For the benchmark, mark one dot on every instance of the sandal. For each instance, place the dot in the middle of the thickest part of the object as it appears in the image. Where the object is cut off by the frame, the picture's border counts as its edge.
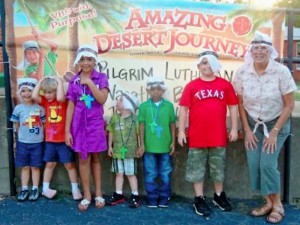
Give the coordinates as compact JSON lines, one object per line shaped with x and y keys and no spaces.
{"x":99,"y":202}
{"x":262,"y":211}
{"x":276,"y":216}
{"x":84,"y":205}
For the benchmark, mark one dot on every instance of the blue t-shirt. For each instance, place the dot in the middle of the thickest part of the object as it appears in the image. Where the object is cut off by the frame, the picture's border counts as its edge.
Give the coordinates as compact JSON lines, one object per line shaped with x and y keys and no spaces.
{"x":31,"y":119}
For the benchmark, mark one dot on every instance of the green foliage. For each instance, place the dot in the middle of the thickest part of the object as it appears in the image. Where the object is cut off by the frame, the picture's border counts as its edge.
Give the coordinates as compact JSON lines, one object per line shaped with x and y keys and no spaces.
{"x":290,"y":4}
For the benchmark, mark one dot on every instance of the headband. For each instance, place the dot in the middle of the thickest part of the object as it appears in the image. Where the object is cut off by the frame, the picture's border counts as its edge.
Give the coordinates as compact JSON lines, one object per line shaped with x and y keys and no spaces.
{"x":28,"y":84}
{"x":130,"y":100}
{"x":160,"y":83}
{"x":208,"y":53}
{"x":261,"y":42}
{"x":86,"y":50}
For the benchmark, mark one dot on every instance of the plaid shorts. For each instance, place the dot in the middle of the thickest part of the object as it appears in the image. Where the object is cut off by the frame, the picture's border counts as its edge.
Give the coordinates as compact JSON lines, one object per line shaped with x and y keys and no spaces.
{"x":198,"y":160}
{"x":125,"y":166}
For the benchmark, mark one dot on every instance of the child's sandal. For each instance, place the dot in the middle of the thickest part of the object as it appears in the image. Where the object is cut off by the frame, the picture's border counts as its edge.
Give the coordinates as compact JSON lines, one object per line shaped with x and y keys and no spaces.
{"x":99,"y":202}
{"x":84,"y":205}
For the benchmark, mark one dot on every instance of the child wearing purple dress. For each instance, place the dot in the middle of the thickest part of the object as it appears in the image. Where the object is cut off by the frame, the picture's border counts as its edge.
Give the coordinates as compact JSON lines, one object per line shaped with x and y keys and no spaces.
{"x":85,"y":134}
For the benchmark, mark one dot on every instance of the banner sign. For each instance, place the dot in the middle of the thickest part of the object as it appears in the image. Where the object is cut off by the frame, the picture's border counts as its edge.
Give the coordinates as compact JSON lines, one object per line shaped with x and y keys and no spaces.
{"x":138,"y":39}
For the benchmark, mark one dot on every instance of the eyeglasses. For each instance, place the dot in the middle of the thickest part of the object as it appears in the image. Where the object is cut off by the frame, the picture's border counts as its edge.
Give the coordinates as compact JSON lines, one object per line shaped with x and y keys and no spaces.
{"x":262,"y":48}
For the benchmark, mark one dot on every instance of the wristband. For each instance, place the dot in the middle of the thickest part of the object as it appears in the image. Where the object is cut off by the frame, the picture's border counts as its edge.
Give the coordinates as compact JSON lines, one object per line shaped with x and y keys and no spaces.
{"x":275,"y":128}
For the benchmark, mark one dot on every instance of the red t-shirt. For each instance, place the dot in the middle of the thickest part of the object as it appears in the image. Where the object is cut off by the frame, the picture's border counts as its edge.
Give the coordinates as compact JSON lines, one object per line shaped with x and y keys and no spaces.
{"x":55,"y":120}
{"x":207,"y":102}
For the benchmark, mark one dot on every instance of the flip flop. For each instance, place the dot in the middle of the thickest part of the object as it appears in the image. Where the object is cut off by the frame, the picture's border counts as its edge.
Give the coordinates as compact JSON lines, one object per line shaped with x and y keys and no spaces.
{"x":262,"y":211}
{"x":84,"y":205}
{"x":99,"y":202}
{"x":276,"y":215}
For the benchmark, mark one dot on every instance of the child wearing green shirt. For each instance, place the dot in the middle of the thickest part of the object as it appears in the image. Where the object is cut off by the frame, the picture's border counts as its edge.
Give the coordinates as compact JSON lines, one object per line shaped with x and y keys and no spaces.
{"x":157,"y":130}
{"x":123,"y":139}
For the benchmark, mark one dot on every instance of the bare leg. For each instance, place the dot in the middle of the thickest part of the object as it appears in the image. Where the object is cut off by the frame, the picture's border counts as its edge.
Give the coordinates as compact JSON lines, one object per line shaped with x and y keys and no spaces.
{"x":133,"y":183}
{"x":96,"y":169}
{"x":84,"y":170}
{"x":48,"y":172}
{"x":198,"y":189}
{"x":218,"y":187}
{"x":25,"y":175}
{"x":119,"y":181}
{"x":36,"y":175}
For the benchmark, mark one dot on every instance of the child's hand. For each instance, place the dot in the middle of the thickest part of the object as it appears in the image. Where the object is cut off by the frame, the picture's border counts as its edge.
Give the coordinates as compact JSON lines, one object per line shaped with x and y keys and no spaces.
{"x":110,"y":152}
{"x":181,"y":138}
{"x":42,"y":53}
{"x":141,"y":151}
{"x":233,"y":135}
{"x":69,"y":139}
{"x":172,"y":147}
{"x":35,"y":33}
{"x":85,"y":80}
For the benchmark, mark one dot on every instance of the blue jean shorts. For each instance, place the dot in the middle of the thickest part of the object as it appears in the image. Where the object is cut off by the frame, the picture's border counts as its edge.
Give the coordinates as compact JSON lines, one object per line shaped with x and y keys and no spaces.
{"x":29,"y":154}
{"x":58,"y":152}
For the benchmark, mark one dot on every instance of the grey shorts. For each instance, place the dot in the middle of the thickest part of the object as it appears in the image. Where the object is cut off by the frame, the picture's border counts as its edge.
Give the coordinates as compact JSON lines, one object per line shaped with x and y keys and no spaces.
{"x":197,"y":161}
{"x":125,"y":166}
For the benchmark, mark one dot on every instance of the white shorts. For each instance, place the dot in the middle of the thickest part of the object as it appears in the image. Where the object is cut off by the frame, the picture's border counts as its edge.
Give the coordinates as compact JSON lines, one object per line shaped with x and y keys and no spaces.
{"x":125,"y":166}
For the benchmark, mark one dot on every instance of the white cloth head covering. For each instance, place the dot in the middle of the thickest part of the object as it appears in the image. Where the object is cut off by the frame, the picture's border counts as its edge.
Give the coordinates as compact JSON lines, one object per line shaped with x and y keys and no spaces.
{"x":27,"y":45}
{"x":30,"y":83}
{"x":88,"y":50}
{"x":260,"y":39}
{"x":156,"y":81}
{"x":130,"y":102}
{"x":212,"y":59}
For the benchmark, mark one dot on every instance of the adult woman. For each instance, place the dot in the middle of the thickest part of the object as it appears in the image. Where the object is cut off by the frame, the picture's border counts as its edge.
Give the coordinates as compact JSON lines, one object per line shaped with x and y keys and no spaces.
{"x":265,"y":90}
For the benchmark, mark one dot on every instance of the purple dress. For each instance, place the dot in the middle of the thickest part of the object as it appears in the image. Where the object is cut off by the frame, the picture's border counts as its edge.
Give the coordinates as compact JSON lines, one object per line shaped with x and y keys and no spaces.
{"x":87,"y":127}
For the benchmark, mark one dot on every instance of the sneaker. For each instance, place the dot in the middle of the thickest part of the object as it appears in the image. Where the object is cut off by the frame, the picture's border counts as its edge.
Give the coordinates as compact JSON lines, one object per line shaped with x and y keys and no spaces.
{"x":34,"y":195}
{"x":164,"y":202}
{"x":115,"y":199}
{"x":222,"y":202}
{"x":200,"y":206}
{"x":23,"y":194}
{"x":152,"y":203}
{"x":49,"y":193}
{"x":134,"y":201}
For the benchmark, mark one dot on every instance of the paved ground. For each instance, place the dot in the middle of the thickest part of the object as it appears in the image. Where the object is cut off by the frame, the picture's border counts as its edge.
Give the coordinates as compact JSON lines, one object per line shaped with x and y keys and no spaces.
{"x":63,"y":210}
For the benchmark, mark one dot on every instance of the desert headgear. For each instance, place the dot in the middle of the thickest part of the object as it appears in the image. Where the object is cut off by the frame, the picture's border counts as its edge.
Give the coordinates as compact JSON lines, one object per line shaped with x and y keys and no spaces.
{"x":130,"y":102}
{"x":29,"y":83}
{"x":87,"y":50}
{"x":212,"y":59}
{"x":260,"y":39}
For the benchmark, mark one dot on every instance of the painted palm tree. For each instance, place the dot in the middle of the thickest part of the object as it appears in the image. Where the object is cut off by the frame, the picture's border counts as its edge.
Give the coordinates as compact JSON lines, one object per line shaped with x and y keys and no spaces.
{"x":39,"y":15}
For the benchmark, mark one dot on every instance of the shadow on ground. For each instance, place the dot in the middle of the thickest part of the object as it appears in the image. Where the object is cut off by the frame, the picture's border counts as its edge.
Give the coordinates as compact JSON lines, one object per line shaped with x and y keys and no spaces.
{"x":63,"y":210}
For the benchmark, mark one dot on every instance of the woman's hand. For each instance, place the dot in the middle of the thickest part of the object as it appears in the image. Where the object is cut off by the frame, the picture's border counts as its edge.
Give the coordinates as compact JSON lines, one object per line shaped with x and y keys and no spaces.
{"x":270,"y":143}
{"x":250,"y":140}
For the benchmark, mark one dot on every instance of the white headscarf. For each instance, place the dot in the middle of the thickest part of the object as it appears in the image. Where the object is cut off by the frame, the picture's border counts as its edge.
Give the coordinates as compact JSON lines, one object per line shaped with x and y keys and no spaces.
{"x":88,"y":50}
{"x":260,"y":39}
{"x":130,"y":102}
{"x":26,"y":46}
{"x":29,"y":83}
{"x":156,"y":81}
{"x":212,"y":59}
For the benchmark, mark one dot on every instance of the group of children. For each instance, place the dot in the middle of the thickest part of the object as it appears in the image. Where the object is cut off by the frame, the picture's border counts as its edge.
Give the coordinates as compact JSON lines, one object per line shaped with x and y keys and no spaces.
{"x":74,"y":123}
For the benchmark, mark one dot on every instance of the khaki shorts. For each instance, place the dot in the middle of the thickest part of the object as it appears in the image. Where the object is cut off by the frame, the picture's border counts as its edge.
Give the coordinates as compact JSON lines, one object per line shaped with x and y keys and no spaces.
{"x":199,"y":158}
{"x":125,"y":166}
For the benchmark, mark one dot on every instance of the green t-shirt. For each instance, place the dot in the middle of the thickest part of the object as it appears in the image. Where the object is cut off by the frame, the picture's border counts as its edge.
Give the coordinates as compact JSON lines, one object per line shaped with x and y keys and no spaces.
{"x":48,"y":71}
{"x":127,"y":129}
{"x":157,"y":121}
